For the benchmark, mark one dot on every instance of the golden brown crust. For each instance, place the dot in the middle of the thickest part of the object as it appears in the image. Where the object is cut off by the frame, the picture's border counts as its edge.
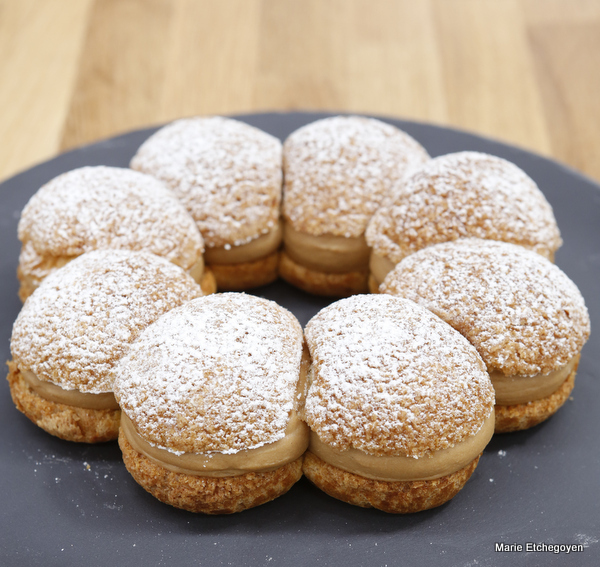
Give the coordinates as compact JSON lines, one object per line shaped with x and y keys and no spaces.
{"x":320,"y":283}
{"x":227,"y":174}
{"x":127,"y":291}
{"x":523,"y":416}
{"x":398,"y":497}
{"x":224,"y":377}
{"x":93,"y":208}
{"x":247,"y":275}
{"x":208,"y":283}
{"x":338,"y":170}
{"x":391,"y":379}
{"x":521,"y":312}
{"x":461,"y":195}
{"x":30,"y":283}
{"x":209,"y":495}
{"x":67,"y":422}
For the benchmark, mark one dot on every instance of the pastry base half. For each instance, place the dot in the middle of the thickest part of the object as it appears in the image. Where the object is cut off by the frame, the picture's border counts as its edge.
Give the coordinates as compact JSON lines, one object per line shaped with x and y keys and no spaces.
{"x":321,"y":283}
{"x":396,"y":497}
{"x":523,"y":416}
{"x":209,"y":495}
{"x":71,"y":423}
{"x":238,"y":277}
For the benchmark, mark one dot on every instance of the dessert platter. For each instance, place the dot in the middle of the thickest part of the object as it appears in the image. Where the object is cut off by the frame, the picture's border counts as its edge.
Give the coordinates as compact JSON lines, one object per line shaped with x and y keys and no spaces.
{"x":536,"y":482}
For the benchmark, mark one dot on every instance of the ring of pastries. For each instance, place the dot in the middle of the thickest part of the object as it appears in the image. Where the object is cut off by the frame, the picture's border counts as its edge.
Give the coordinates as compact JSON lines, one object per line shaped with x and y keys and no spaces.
{"x":210,"y":396}
{"x":337,"y":172}
{"x":228,"y":175}
{"x":105,"y":207}
{"x":76,"y":326}
{"x":460,"y":195}
{"x":525,"y":317}
{"x":399,"y":404}
{"x":216,"y":399}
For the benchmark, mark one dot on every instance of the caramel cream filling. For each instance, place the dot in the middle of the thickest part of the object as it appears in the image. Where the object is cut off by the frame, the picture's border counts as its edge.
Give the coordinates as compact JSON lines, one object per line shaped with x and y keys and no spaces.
{"x":75,"y":398}
{"x":380,"y":267}
{"x":197,"y":270}
{"x":326,"y":253}
{"x":436,"y":465}
{"x":522,"y":389}
{"x":265,"y":458}
{"x":258,"y":248}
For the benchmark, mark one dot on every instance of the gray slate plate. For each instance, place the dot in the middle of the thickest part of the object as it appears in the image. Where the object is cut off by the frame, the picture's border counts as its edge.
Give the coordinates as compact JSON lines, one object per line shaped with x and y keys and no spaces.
{"x":67,"y":504}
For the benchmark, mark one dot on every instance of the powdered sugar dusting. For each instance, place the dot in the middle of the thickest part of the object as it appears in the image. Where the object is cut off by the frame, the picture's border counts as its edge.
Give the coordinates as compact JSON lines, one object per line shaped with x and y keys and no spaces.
{"x":227,"y":174}
{"x":217,"y":374}
{"x":338,"y":170}
{"x":466,"y":194}
{"x":81,"y":320}
{"x":105,"y":207}
{"x":390,"y":378}
{"x":520,"y":311}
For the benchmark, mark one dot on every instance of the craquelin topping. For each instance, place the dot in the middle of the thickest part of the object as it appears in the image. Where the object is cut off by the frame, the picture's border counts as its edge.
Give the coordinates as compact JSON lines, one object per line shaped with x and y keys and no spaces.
{"x":466,"y":194}
{"x":520,"y":311}
{"x":391,"y":378}
{"x":227,"y":174}
{"x":218,"y":374}
{"x":105,"y":207}
{"x":338,"y":170}
{"x":82,"y":319}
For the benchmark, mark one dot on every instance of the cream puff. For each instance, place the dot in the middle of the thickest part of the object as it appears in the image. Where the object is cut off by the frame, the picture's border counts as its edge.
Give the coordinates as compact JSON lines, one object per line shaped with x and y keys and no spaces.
{"x":210,"y":396}
{"x":228,"y":176}
{"x":460,"y":195}
{"x":105,"y":207}
{"x":399,"y":404}
{"x":337,"y":172}
{"x":525,"y":317}
{"x":74,"y":329}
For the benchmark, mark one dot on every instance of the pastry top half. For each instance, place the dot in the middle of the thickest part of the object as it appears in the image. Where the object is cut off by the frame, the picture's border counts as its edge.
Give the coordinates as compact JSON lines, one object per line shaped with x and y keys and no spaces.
{"x":226,"y":173}
{"x":106,"y":207}
{"x":219,"y":374}
{"x":521,"y":312}
{"x":391,"y":379}
{"x":81,"y":320}
{"x":338,"y":170}
{"x":465,"y":194}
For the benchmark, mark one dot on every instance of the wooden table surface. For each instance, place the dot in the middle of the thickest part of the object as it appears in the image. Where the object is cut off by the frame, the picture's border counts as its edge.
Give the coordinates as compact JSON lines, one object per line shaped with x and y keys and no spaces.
{"x":523,"y":71}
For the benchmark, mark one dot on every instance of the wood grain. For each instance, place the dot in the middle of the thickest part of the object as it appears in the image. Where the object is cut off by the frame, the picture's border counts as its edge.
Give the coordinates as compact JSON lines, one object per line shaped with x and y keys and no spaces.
{"x":488,"y":71}
{"x":121,"y":71}
{"x":523,"y":71}
{"x":567,"y":65}
{"x":211,"y":59}
{"x":40,"y":49}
